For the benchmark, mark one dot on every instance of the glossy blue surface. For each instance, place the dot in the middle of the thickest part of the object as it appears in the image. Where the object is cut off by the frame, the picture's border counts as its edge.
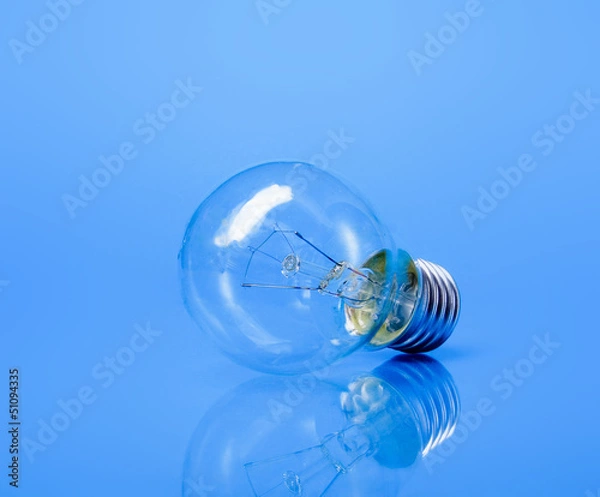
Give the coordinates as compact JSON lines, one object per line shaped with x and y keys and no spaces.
{"x":504,"y":114}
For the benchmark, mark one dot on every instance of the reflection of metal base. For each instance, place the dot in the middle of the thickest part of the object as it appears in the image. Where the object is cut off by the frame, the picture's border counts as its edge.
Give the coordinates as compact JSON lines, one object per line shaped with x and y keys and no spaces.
{"x":436,"y":311}
{"x":430,"y":393}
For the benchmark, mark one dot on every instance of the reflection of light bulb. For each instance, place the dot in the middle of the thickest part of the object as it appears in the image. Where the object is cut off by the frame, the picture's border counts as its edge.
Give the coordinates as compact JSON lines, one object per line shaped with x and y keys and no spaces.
{"x":393,"y":422}
{"x":288,"y":270}
{"x":366,"y":436}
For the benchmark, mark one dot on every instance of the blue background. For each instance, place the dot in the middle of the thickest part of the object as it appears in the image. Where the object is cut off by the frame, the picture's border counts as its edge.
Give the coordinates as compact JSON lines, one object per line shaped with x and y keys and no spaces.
{"x":73,"y":289}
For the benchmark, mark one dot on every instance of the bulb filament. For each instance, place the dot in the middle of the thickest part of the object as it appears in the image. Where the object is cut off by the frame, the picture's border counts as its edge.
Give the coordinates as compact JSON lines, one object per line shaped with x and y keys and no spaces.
{"x":304,"y":266}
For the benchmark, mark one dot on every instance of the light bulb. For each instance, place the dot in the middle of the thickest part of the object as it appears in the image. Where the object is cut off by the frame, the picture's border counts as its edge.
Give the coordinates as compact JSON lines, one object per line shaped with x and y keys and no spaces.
{"x":367,"y":436}
{"x":287,"y":270}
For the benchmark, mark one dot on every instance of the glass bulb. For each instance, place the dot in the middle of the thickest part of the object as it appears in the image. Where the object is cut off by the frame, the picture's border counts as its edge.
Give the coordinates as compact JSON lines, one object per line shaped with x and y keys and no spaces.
{"x":287,"y":270}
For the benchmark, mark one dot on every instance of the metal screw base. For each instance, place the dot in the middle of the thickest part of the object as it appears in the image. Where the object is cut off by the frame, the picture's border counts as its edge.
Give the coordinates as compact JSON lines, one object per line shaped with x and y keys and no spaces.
{"x":436,"y":311}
